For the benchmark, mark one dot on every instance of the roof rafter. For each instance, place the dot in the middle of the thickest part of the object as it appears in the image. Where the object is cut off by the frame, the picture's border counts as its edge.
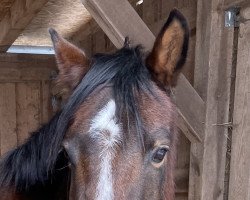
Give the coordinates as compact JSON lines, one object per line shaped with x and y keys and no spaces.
{"x":15,"y":21}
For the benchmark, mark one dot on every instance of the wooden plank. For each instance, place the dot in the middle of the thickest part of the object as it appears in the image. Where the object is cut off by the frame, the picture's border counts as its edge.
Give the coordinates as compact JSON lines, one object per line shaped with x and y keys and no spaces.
{"x":195,"y":103}
{"x":182,"y":165}
{"x":46,"y":109}
{"x":156,"y":26}
{"x":98,"y":42}
{"x":213,"y":65}
{"x":239,"y":186}
{"x":28,"y":58}
{"x":24,"y":72}
{"x":114,"y":17}
{"x":181,"y":180}
{"x":20,"y":15}
{"x":85,"y":44}
{"x":81,"y":37}
{"x":28,"y":109}
{"x":234,"y":3}
{"x":26,"y":67}
{"x":150,"y":13}
{"x":118,"y":19}
{"x":181,"y":197}
{"x":8,"y":136}
{"x":164,"y":7}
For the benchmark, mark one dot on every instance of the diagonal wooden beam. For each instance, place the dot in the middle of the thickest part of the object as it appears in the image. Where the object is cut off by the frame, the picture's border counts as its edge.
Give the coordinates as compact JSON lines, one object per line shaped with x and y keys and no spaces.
{"x":19,"y":16}
{"x":118,"y":19}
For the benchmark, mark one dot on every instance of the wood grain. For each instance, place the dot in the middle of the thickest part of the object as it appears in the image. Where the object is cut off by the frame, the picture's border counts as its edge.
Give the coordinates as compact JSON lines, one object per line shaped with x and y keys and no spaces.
{"x":45,"y":101}
{"x":235,"y":3}
{"x":22,"y":72}
{"x":239,"y":185}
{"x":21,"y":13}
{"x":28,"y":109}
{"x":194,"y":130}
{"x":212,"y":80}
{"x":26,"y":67}
{"x":28,"y":58}
{"x":8,"y":134}
{"x":117,"y":25}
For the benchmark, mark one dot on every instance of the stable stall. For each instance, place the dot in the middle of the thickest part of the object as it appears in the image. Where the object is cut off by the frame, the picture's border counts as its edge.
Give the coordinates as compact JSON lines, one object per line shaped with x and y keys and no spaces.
{"x":212,"y":94}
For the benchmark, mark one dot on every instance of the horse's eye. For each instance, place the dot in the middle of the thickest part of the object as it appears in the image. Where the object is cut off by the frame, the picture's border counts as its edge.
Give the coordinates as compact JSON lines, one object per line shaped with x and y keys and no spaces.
{"x":160,"y":154}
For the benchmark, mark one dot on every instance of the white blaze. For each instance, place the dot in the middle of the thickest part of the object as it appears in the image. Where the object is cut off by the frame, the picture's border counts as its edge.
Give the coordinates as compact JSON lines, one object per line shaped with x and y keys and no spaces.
{"x":106,"y":131}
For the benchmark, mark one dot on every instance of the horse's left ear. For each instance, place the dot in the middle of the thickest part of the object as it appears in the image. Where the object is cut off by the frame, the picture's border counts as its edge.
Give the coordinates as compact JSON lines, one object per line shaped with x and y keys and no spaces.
{"x":72,"y":64}
{"x":170,"y":49}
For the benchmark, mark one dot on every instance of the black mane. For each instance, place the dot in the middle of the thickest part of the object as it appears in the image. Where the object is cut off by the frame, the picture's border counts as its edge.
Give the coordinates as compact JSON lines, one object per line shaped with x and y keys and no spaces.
{"x":34,"y":162}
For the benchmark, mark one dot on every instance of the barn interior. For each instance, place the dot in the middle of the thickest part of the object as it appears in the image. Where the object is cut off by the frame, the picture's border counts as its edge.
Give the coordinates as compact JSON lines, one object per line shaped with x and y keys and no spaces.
{"x":206,"y":97}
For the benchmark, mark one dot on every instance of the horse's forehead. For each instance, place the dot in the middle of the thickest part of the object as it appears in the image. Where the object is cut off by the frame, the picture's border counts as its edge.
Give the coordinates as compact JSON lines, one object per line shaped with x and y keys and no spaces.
{"x":104,"y":127}
{"x":89,"y":108}
{"x":155,"y":110}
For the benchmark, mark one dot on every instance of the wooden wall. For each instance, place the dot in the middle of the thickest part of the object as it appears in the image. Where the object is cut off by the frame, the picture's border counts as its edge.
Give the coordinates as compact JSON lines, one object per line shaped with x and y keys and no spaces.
{"x":25,"y":100}
{"x":239,"y":185}
{"x":203,"y":172}
{"x":24,"y":96}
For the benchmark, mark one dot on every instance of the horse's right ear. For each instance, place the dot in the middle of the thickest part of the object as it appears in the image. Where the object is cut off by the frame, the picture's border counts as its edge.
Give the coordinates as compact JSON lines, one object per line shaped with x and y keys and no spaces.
{"x":72,"y":64}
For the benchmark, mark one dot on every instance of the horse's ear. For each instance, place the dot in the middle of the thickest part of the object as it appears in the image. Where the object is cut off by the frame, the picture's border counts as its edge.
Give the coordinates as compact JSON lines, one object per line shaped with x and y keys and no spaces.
{"x":170,"y":49}
{"x":71,"y":61}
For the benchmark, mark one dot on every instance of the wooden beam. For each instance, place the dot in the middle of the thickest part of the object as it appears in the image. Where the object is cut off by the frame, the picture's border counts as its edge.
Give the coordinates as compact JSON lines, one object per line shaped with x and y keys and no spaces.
{"x":26,"y":67}
{"x":19,"y":16}
{"x":42,"y":59}
{"x":234,"y":3}
{"x":92,"y":27}
{"x":118,"y":19}
{"x":212,"y":80}
{"x":186,"y":100}
{"x":240,"y":154}
{"x":19,"y":59}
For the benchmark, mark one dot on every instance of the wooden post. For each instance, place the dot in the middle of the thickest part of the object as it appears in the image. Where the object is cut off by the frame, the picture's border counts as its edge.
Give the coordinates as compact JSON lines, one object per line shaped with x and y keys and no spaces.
{"x":213,"y":66}
{"x":239,"y":186}
{"x":118,"y":19}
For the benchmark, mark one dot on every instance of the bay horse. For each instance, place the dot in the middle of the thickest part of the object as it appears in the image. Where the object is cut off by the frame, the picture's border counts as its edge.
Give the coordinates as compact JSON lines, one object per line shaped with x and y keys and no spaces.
{"x":116,"y":135}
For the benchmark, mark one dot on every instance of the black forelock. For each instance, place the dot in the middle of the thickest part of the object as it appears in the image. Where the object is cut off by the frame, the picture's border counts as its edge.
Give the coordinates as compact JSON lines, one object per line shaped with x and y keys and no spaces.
{"x":35,"y":160}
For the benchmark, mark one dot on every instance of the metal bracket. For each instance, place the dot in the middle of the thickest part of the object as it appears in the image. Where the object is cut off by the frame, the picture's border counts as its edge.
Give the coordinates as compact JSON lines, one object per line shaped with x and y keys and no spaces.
{"x":231,"y":17}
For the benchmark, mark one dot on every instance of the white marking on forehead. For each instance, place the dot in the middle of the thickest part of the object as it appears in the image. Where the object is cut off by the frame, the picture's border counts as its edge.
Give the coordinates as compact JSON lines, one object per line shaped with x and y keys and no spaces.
{"x":106,"y":131}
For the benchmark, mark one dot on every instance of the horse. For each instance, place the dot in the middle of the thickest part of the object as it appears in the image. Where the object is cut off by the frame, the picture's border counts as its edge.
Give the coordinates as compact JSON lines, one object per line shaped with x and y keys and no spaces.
{"x":115,"y":137}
